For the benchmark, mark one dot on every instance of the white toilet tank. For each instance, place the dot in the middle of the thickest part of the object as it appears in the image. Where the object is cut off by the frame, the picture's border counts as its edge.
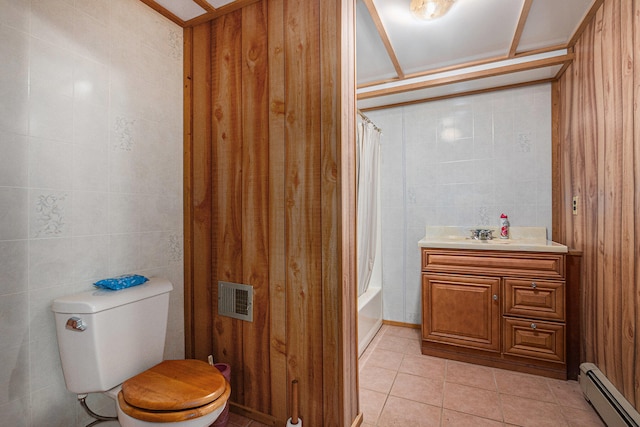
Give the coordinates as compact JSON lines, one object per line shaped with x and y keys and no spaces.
{"x":105,"y":337}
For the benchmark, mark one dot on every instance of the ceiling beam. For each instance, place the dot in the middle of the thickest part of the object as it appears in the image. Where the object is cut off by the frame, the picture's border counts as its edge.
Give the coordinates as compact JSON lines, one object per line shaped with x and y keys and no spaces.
{"x":457,"y":94}
{"x":373,"y":12}
{"x":205,"y":5}
{"x":472,"y":75}
{"x":524,"y":14}
{"x":463,"y":65}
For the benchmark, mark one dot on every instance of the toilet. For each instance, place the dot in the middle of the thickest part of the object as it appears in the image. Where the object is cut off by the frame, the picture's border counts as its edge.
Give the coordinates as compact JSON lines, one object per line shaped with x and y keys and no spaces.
{"x":112,"y":342}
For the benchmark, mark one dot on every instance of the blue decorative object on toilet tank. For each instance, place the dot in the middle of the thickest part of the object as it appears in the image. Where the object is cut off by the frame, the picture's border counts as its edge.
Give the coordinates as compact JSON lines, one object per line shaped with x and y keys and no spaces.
{"x":121,"y":282}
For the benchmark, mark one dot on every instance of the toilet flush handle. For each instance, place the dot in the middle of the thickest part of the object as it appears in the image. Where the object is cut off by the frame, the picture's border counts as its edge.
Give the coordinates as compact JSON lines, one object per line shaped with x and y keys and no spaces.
{"x":76,"y":324}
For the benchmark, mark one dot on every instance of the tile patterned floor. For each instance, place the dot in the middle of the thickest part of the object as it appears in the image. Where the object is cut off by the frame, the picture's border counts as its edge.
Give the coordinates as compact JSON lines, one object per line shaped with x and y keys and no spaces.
{"x":401,"y":387}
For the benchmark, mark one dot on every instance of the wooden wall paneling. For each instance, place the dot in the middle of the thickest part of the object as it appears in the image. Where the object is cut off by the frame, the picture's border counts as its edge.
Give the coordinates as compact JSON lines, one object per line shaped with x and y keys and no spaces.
{"x":303,"y":198}
{"x":277,"y":227}
{"x":273,"y":102}
{"x":633,"y":293}
{"x":584,"y":165}
{"x":255,"y":204}
{"x":187,"y":170}
{"x":346,"y":280}
{"x":337,"y":220}
{"x":227,"y":177}
{"x":598,"y":173}
{"x":599,"y":127}
{"x":573,"y":313}
{"x":628,"y":240}
{"x":198,"y":193}
{"x":609,"y":184}
{"x":330,"y":222}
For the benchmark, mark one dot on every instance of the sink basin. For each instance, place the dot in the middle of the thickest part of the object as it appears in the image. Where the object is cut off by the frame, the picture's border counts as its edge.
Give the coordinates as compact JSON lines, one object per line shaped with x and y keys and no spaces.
{"x":493,"y":241}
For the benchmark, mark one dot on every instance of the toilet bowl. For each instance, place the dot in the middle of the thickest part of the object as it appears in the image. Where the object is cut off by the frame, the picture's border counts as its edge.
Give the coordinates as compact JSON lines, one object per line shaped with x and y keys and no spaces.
{"x":175,"y":393}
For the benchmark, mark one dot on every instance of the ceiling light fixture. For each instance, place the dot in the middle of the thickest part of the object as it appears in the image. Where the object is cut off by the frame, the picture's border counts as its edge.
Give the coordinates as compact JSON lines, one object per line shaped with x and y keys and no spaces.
{"x":430,"y":9}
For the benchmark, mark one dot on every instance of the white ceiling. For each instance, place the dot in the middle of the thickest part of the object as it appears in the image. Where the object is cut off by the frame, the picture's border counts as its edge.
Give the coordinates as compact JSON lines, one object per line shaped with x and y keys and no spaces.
{"x":478,"y":45}
{"x":471,"y":48}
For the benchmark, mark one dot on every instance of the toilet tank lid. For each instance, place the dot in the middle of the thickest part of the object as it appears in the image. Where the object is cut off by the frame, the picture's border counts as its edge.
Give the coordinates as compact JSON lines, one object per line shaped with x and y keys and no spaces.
{"x":105,"y":299}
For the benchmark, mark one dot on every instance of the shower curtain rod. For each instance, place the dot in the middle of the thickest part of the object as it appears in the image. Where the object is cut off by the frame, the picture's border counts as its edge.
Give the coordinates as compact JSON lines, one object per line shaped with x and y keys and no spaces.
{"x":368,"y":120}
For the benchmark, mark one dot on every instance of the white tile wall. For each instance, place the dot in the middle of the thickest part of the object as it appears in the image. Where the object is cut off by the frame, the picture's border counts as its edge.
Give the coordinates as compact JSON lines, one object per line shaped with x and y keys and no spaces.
{"x":462,"y":162}
{"x":90,"y":179}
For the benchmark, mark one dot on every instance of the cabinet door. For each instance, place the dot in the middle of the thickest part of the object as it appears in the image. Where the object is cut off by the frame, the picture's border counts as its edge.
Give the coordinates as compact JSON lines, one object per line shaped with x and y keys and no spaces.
{"x":461,"y":310}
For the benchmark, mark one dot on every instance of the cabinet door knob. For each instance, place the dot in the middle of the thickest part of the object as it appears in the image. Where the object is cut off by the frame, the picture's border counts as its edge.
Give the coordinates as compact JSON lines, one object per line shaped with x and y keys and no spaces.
{"x":533,"y":285}
{"x":495,"y":297}
{"x":533,"y":326}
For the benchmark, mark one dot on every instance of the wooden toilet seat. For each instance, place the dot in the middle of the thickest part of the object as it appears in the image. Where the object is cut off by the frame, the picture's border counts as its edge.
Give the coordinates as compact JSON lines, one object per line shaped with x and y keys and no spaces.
{"x":174,"y":390}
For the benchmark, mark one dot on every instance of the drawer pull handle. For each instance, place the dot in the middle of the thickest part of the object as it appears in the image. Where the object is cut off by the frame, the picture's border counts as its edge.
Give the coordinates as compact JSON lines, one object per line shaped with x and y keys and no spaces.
{"x":533,"y":285}
{"x":533,"y":326}
{"x":495,"y":297}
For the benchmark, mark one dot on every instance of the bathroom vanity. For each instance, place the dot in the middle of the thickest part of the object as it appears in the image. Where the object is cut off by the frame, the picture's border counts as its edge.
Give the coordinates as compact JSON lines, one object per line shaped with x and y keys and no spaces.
{"x":499,"y":302}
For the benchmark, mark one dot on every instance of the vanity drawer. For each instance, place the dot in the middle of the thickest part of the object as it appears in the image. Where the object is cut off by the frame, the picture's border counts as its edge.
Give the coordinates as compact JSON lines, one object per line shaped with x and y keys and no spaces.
{"x":498,"y":263}
{"x":543,"y":299}
{"x":533,"y":339}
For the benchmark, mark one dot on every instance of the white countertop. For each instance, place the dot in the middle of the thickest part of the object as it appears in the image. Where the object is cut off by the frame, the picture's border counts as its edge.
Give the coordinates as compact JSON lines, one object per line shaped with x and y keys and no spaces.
{"x":526,"y":239}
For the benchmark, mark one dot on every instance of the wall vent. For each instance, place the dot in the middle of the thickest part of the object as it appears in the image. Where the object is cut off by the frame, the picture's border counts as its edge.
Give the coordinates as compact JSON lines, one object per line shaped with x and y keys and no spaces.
{"x":235,"y":300}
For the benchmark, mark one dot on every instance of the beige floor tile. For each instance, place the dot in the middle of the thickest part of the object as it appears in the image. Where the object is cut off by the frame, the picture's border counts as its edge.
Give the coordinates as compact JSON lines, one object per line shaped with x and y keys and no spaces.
{"x":458,"y":419}
{"x":377,"y":379}
{"x":424,"y":390}
{"x":568,"y":393}
{"x":471,"y":375}
{"x":393,"y":343}
{"x":523,"y":385}
{"x":402,"y":412}
{"x":472,"y":400}
{"x":582,"y":418}
{"x":531,"y":413}
{"x":423,"y":366}
{"x":414,"y":347}
{"x":371,"y":404}
{"x":385,"y":359}
{"x":471,"y":394}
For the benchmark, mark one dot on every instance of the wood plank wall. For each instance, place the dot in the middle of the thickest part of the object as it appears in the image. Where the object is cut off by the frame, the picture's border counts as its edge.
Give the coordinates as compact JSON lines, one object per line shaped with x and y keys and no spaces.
{"x":269,"y":140}
{"x":599,"y":160}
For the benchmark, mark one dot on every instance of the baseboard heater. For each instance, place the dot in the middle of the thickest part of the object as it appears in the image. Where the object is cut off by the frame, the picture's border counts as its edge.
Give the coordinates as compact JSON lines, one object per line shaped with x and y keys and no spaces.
{"x":612,"y":407}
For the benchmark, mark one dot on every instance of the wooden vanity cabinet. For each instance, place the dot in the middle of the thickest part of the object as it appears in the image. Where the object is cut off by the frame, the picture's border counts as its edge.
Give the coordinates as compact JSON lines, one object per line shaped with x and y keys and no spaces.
{"x":497,"y":308}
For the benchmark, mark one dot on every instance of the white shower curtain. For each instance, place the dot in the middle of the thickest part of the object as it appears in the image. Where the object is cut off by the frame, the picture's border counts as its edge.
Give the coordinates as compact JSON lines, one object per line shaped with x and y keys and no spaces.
{"x":367,"y":164}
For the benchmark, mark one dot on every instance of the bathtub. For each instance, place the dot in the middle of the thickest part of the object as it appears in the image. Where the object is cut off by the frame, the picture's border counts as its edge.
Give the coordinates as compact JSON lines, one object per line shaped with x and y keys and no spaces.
{"x":369,"y":317}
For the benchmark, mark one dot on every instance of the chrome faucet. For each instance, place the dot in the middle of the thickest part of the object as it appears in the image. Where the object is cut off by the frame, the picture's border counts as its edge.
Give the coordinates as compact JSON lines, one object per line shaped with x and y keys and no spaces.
{"x":481,"y":234}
